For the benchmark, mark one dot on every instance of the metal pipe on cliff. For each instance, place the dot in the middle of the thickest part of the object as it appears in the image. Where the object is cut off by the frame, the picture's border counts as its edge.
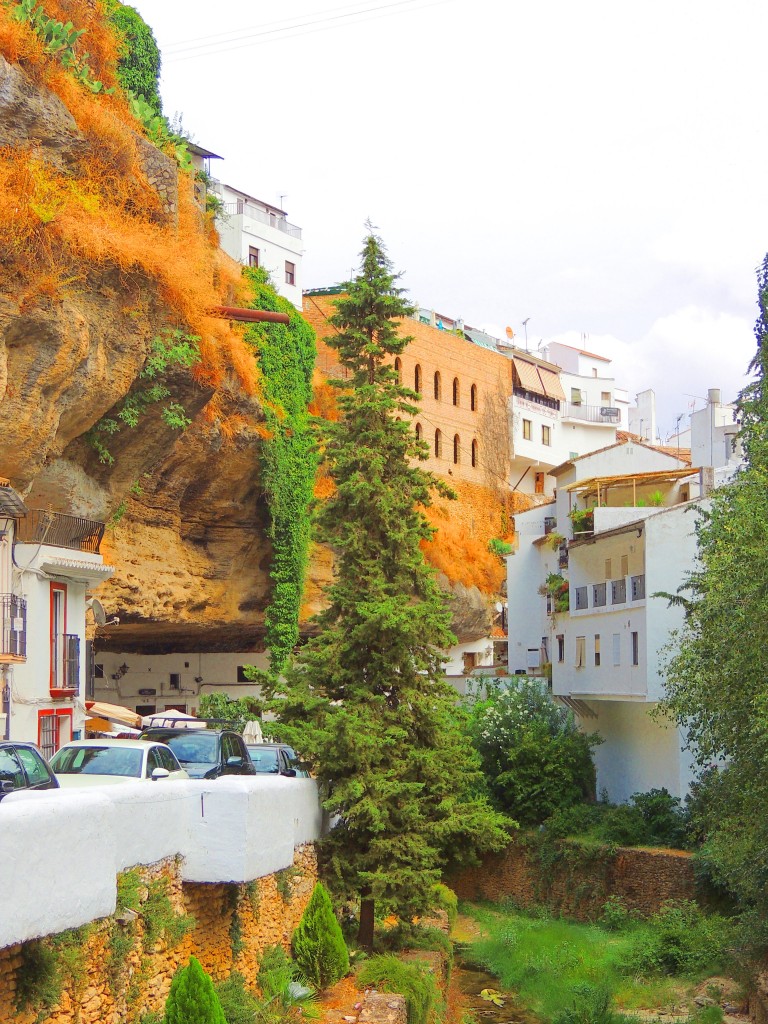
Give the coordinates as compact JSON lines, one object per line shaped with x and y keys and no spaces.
{"x":249,"y":315}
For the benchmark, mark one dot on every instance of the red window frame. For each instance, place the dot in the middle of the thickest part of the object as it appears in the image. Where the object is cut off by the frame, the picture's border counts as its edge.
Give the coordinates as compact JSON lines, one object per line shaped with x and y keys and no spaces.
{"x":59,"y":714}
{"x":53,"y":680}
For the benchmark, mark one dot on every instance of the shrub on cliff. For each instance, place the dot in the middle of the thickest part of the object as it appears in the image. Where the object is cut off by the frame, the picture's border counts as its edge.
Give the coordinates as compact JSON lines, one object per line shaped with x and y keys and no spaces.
{"x":318,"y":945}
{"x":193,"y":999}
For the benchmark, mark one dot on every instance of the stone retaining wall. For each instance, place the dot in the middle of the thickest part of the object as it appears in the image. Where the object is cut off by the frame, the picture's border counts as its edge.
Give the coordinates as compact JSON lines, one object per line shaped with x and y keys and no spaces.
{"x":114,"y":973}
{"x":577,"y":880}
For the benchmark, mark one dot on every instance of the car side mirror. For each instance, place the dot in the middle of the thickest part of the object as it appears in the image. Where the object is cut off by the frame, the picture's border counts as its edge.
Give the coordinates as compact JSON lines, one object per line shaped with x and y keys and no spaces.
{"x":160,"y":773}
{"x":235,"y":762}
{"x":6,"y":787}
{"x":290,"y":772}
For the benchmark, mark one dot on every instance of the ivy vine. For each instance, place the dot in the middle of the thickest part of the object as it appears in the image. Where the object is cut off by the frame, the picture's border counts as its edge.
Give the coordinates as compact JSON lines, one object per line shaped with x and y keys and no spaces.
{"x":286,"y":356}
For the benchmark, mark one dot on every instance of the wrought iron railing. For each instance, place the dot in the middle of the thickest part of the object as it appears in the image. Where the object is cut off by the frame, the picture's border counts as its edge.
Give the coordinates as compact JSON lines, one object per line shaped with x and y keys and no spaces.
{"x":13,"y":626}
{"x":65,"y":661}
{"x":590,"y":413}
{"x":40,"y":526}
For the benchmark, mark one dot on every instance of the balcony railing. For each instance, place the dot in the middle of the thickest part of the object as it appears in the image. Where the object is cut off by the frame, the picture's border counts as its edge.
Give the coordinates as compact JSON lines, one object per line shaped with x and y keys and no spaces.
{"x":247,"y":210}
{"x":590,"y":413}
{"x":65,"y":659}
{"x":13,"y":634}
{"x":60,"y":531}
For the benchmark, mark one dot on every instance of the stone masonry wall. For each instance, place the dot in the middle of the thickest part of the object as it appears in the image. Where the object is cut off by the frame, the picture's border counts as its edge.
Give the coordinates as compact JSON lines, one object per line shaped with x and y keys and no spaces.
{"x":577,"y":880}
{"x":119,"y":969}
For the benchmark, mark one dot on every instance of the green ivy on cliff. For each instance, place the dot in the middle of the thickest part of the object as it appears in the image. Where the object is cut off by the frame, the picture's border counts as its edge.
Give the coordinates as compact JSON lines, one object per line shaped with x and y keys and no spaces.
{"x":138,"y":67}
{"x":286,"y":356}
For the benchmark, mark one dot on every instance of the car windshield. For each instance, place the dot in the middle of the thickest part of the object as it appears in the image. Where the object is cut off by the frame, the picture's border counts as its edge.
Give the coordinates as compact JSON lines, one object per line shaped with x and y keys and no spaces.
{"x":264,"y":760}
{"x":194,"y":747}
{"x":98,"y":761}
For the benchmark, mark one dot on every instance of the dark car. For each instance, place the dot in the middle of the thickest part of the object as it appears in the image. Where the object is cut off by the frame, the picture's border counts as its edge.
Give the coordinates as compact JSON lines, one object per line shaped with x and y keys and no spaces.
{"x":205,"y":753}
{"x":276,"y":759}
{"x":22,"y":766}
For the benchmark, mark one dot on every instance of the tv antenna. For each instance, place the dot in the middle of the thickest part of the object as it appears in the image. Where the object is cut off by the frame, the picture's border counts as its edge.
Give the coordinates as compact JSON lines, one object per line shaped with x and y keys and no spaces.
{"x":525,"y":328}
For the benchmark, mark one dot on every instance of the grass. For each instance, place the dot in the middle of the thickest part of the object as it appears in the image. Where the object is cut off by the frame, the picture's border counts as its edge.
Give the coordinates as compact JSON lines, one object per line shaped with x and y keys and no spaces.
{"x":548,"y":961}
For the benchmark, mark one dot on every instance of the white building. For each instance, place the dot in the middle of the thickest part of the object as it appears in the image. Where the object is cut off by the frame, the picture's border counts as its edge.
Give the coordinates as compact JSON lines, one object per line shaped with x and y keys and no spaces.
{"x":48,"y":562}
{"x":605,"y":649}
{"x":251,"y":231}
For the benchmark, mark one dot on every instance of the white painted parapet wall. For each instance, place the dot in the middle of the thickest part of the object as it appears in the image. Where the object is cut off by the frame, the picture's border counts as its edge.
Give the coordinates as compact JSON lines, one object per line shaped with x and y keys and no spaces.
{"x":61,"y":850}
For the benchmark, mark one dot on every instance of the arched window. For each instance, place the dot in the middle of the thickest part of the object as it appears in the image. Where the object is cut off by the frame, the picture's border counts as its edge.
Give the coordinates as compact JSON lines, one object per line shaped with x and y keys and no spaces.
{"x":456,"y":449}
{"x":419,"y":431}
{"x":399,"y":370}
{"x":438,"y":389}
{"x":438,"y":444}
{"x":474,"y":453}
{"x":455,"y":390}
{"x":473,"y":398}
{"x":417,"y":379}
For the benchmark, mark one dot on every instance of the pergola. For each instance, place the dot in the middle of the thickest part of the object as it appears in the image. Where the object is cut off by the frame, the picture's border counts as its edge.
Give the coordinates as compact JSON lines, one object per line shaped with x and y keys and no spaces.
{"x":598,"y":486}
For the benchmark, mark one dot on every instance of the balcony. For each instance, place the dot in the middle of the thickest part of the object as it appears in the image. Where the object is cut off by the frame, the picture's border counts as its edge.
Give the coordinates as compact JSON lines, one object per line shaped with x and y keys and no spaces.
{"x":605,"y":414}
{"x":60,"y":531}
{"x":65,"y":665}
{"x":13,"y":634}
{"x":245,"y":209}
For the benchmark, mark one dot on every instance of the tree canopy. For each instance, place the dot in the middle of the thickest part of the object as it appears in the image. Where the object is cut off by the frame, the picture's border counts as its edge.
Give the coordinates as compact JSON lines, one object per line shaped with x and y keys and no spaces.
{"x":718,"y":665}
{"x":366,"y":700}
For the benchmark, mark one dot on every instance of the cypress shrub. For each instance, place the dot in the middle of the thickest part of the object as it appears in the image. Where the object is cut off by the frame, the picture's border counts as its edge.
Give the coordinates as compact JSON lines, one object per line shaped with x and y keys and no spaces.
{"x":319,"y":949}
{"x":193,"y":999}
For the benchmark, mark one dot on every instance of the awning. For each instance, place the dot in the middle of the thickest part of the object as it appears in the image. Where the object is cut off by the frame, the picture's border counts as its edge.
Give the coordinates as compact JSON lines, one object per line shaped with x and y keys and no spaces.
{"x":113,"y":713}
{"x":529,"y":376}
{"x":552,"y":385}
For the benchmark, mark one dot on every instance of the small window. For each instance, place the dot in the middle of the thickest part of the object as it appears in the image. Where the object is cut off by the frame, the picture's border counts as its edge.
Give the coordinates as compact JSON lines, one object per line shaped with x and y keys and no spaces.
{"x":608,"y":573}
{"x":597,"y":650}
{"x":456,"y":392}
{"x":637,"y":587}
{"x":438,"y":444}
{"x":419,"y":431}
{"x":473,"y":398}
{"x":598,"y":595}
{"x":470,"y":661}
{"x":581,"y":651}
{"x":618,"y":591}
{"x":456,"y":449}
{"x":605,"y":397}
{"x":526,"y":430}
{"x":625,"y":565}
{"x":617,"y":649}
{"x":635,"y":649}
{"x":175,"y":681}
{"x":560,"y":647}
{"x":98,"y":671}
{"x":575,"y":396}
{"x":474,"y":454}
{"x":241,"y":676}
{"x":290,"y":272}
{"x":538,"y":485}
{"x":438,"y":386}
{"x":546,"y":435}
{"x":581,"y":598}
{"x":253,"y":256}
{"x":417,"y":379}
{"x":399,"y":369}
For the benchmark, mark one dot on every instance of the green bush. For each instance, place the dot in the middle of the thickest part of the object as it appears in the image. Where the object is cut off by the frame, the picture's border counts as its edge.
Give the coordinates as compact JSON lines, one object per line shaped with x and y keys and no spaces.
{"x":193,"y":999}
{"x":615,"y":915}
{"x":412,"y":980}
{"x":318,"y":945}
{"x":448,"y":901}
{"x":624,"y":825}
{"x":664,"y":816}
{"x":591,"y":1004}
{"x":680,"y":939}
{"x":238,"y":1004}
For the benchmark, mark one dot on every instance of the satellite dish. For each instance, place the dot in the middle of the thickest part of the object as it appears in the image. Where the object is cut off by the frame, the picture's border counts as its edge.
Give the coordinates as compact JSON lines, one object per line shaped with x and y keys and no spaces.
{"x":510,"y":333}
{"x":98,"y":611}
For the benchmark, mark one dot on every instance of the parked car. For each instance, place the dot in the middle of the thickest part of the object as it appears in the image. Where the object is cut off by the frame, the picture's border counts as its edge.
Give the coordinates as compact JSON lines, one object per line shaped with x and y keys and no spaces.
{"x":206,"y":753}
{"x":276,"y":759}
{"x":108,"y":761}
{"x":22,"y":766}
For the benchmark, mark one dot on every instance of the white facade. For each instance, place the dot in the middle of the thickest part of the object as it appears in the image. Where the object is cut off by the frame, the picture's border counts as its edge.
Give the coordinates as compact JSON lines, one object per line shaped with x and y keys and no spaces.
{"x":43,"y":646}
{"x":642,"y":416}
{"x":713,"y":434}
{"x":256,"y":233}
{"x":228,"y":830}
{"x":605,"y":651}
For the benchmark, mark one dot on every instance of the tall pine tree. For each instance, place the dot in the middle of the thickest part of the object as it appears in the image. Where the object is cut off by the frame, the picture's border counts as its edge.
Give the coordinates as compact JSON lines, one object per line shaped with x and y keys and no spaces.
{"x":367,"y":700}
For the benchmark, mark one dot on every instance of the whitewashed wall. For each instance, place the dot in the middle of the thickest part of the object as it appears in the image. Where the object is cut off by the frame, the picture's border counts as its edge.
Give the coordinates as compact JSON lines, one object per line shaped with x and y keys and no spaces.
{"x":61,"y":851}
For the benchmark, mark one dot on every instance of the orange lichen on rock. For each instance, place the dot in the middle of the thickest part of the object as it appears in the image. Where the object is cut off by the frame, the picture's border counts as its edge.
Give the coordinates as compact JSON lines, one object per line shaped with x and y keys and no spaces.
{"x":459,"y":548}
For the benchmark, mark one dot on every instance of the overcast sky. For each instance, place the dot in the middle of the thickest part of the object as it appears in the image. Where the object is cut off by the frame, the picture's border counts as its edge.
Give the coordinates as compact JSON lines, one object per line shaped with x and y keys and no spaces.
{"x":597,"y":167}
